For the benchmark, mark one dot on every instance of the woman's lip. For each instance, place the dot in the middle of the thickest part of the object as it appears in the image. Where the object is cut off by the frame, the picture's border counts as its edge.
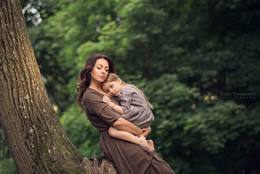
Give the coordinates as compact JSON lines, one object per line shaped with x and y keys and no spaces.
{"x":102,"y":77}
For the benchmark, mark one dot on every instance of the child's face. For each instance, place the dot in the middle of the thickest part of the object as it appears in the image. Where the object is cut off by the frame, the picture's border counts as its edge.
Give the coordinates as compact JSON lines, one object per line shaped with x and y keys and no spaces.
{"x":112,"y":88}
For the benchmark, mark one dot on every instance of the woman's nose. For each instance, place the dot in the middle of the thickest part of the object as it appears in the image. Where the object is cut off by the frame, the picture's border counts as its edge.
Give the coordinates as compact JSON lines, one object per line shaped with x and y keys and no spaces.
{"x":103,"y":71}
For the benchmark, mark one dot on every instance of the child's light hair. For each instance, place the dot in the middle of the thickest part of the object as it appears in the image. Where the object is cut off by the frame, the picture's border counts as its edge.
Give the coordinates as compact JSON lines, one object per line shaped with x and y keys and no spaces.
{"x":113,"y":77}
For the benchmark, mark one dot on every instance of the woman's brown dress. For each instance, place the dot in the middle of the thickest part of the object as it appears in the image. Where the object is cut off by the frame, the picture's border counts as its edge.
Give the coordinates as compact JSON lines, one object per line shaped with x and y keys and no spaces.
{"x":127,"y":157}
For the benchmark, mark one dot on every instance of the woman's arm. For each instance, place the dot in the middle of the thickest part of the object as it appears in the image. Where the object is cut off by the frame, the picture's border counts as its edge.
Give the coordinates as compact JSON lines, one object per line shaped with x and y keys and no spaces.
{"x":117,"y":108}
{"x":124,"y":125}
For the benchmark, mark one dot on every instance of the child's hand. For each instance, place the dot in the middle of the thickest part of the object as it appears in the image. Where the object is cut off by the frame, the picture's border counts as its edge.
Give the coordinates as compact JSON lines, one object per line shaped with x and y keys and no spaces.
{"x":146,"y":130}
{"x":107,"y":100}
{"x":146,"y":144}
{"x":143,"y":142}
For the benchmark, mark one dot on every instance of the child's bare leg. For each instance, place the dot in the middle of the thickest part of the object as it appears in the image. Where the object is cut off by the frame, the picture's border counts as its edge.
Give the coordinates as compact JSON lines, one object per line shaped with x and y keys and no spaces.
{"x":123,"y":135}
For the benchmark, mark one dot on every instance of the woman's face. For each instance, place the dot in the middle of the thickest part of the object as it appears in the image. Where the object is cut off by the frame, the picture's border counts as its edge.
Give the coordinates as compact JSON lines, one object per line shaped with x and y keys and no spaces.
{"x":100,"y":70}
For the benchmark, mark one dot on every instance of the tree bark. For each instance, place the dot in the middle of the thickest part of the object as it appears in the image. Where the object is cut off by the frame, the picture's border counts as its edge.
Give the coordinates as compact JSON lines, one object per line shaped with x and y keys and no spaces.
{"x":34,"y":135}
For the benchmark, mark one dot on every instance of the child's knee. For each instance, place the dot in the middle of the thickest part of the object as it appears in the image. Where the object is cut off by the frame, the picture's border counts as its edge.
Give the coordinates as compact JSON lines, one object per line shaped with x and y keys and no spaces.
{"x":111,"y":131}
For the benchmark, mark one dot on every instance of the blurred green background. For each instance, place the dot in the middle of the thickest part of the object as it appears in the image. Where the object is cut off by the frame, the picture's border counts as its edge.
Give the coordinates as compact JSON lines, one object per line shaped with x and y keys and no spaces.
{"x":197,"y":61}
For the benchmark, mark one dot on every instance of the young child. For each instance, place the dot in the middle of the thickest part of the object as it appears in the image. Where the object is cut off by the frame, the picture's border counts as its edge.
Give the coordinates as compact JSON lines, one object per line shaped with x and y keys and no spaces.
{"x":134,"y":107}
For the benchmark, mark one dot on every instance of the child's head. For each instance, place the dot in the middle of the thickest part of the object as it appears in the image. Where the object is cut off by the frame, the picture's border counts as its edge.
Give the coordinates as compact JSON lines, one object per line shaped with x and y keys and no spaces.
{"x":112,"y":85}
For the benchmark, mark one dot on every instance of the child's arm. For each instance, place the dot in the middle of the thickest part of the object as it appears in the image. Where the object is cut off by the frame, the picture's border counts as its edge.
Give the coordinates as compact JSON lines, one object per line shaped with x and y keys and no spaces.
{"x":123,"y":135}
{"x":117,"y":108}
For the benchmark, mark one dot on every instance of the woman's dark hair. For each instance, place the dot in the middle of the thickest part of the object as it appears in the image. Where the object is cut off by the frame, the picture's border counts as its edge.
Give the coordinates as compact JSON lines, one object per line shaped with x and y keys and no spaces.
{"x":85,"y":77}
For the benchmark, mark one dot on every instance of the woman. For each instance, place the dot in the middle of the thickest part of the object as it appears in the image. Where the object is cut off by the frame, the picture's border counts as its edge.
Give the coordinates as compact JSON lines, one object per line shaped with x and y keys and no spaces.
{"x":127,"y":157}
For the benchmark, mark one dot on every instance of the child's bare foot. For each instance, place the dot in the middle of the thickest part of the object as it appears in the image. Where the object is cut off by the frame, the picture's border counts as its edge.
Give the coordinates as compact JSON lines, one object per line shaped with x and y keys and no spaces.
{"x":150,"y":145}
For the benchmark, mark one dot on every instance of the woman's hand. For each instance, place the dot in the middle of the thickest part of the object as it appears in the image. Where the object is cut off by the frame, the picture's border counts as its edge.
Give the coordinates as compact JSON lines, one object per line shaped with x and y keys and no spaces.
{"x":146,"y":131}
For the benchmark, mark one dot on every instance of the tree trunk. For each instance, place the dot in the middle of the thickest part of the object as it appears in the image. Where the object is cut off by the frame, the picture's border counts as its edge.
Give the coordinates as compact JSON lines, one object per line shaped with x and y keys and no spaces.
{"x":35,"y":137}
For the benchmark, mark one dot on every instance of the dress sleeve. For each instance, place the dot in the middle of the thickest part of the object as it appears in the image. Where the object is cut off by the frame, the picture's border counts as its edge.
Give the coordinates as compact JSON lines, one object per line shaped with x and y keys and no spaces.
{"x":94,"y":104}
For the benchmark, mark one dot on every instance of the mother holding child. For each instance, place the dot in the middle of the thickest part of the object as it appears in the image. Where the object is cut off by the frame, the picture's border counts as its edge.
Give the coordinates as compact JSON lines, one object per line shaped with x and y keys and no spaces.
{"x":122,"y":115}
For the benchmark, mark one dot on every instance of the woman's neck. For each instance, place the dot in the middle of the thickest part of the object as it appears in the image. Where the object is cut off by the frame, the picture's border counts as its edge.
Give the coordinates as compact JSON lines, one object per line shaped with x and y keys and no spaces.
{"x":96,"y":86}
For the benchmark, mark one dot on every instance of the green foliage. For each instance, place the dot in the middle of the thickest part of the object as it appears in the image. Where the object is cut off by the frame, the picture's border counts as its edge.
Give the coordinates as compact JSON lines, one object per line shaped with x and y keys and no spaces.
{"x":7,"y":166}
{"x":190,"y":130}
{"x":4,"y":150}
{"x":6,"y":162}
{"x":37,"y":10}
